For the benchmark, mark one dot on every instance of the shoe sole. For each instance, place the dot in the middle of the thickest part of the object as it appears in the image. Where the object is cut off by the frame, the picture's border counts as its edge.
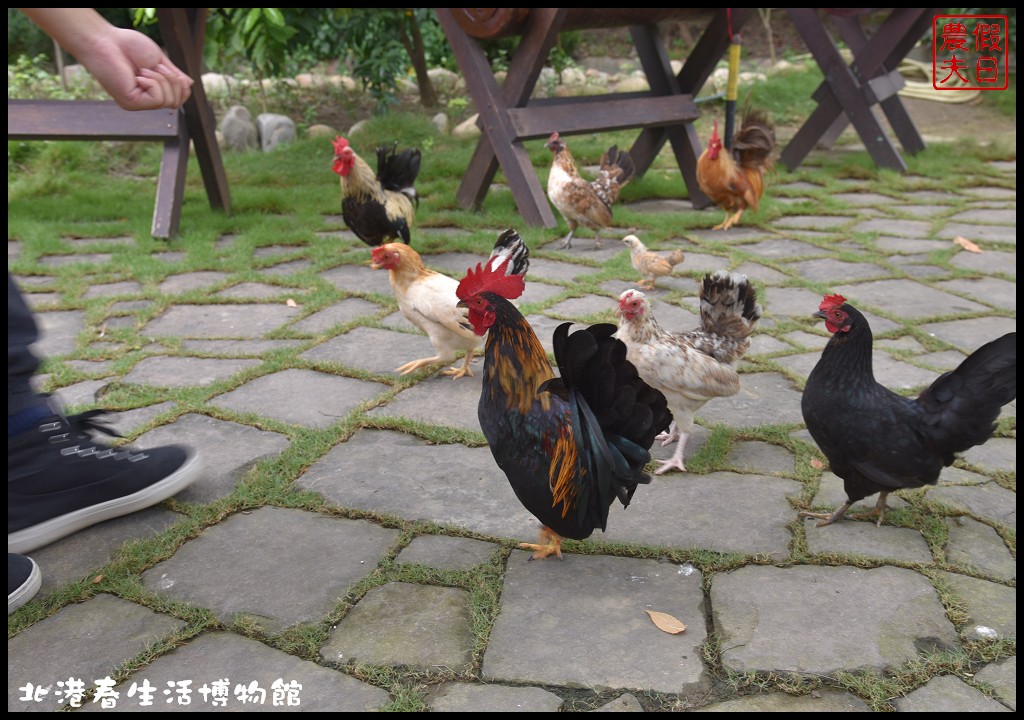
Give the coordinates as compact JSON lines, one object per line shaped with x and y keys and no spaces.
{"x":27,"y":591}
{"x":32,"y":538}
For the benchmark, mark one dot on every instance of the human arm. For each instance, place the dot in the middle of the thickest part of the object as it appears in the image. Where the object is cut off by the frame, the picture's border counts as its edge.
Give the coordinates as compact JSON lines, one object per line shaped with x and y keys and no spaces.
{"x":130,"y":67}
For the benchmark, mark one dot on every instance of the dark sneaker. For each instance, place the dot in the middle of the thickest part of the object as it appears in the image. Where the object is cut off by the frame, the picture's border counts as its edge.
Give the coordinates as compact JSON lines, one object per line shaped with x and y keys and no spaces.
{"x":60,"y":480}
{"x":23,"y":581}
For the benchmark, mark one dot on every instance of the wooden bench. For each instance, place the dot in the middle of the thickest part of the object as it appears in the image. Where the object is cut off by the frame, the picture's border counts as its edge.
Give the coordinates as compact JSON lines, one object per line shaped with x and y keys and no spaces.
{"x":850,"y":91}
{"x":509,"y":115}
{"x":183,"y":34}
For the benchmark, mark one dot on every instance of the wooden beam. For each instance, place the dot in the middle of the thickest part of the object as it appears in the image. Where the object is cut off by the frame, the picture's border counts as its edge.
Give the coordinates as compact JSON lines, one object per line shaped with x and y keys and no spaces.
{"x":87,"y":120}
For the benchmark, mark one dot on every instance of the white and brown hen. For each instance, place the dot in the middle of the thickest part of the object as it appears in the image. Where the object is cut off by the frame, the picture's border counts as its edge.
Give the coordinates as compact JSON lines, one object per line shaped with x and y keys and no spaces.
{"x":650,"y":264}
{"x":427,"y":298}
{"x":581,"y":201}
{"x":693,"y":367}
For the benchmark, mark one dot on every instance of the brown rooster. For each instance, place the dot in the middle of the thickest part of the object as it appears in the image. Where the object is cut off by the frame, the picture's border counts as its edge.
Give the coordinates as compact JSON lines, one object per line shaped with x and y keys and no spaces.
{"x":377,"y":207}
{"x":696,"y":366}
{"x":878,"y":441}
{"x":570,"y":446}
{"x":650,"y":264}
{"x":734,"y":180}
{"x":580,"y":201}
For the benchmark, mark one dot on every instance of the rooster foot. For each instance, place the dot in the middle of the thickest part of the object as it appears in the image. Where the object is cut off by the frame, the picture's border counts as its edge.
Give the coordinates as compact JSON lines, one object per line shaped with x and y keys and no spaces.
{"x":729,"y":221}
{"x":549,"y":543}
{"x":645,"y":285}
{"x":457,"y":372}
{"x":826,"y":518}
{"x":669,"y":464}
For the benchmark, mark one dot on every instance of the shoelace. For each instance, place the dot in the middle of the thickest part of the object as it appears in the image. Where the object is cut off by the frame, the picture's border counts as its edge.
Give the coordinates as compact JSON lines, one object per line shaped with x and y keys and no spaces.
{"x":79,"y":427}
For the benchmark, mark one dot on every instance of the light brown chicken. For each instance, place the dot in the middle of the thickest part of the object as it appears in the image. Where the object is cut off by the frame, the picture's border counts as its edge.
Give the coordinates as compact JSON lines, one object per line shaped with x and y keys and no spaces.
{"x":693,"y":367}
{"x":734,"y":179}
{"x":583,"y":202}
{"x":427,"y":298}
{"x":649,"y":264}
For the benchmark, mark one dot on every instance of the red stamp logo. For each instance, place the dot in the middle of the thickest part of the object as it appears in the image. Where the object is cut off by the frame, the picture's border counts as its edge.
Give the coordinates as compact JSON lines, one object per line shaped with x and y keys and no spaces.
{"x":969,"y":52}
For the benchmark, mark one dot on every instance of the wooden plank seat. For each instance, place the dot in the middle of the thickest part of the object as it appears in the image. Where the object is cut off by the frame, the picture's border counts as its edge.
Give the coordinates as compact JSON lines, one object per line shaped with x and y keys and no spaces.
{"x":508,"y":115}
{"x":851,"y":90}
{"x":182,"y":30}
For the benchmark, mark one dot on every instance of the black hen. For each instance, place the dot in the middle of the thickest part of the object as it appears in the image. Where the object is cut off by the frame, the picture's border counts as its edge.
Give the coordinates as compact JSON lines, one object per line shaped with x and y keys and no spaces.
{"x":571,"y":445}
{"x":878,"y":441}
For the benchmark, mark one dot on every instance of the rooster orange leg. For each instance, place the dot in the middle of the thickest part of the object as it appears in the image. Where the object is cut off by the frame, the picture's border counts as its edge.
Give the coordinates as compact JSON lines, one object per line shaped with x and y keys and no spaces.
{"x":827,"y":518}
{"x":548,"y":543}
{"x":414,"y":365}
{"x":457,"y":372}
{"x":676,"y":461}
{"x":730,"y":220}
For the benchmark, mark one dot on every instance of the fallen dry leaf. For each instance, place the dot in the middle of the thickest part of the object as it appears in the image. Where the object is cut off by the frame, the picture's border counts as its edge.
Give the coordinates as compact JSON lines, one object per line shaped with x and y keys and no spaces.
{"x":817,"y":464}
{"x":966,"y":244}
{"x":666,"y":622}
{"x":97,"y":580}
{"x":291,"y":303}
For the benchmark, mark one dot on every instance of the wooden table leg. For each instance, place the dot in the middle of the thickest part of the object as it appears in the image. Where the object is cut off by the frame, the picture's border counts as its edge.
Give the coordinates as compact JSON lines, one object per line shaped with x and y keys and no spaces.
{"x":497,"y":144}
{"x":844,"y":90}
{"x":183,"y":30}
{"x":686,"y":145}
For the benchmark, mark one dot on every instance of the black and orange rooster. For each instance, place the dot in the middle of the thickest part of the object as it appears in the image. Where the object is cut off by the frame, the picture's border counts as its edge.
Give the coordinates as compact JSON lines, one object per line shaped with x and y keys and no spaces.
{"x":377,"y":207}
{"x":734,"y":179}
{"x":572,"y":445}
{"x":581,"y":201}
{"x":878,"y":441}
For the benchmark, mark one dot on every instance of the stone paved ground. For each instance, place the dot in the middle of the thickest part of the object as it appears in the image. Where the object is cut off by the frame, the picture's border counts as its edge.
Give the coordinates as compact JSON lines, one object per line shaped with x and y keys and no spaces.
{"x":392,"y":568}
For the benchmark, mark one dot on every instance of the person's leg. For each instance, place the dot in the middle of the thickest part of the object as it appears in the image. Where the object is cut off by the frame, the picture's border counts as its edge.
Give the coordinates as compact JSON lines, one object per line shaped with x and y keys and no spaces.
{"x":25,"y":407}
{"x":59,"y":478}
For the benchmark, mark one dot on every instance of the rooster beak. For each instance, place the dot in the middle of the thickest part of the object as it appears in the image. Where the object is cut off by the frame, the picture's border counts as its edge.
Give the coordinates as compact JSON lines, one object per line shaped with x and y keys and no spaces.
{"x":819,"y":314}
{"x":461,"y":304}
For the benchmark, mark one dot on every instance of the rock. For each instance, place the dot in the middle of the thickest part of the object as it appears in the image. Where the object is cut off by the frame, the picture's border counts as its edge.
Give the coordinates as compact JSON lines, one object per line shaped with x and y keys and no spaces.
{"x":356,"y":128}
{"x":216,"y":84}
{"x":275,"y":130}
{"x":632,"y":83}
{"x":445,"y":81}
{"x":467,"y":129}
{"x":238,"y":129}
{"x":440,"y":122}
{"x":316,"y":131}
{"x":78,"y":76}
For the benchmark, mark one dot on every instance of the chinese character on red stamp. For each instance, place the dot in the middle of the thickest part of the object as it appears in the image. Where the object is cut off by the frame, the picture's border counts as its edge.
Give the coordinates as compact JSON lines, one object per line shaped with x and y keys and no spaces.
{"x":969,"y":52}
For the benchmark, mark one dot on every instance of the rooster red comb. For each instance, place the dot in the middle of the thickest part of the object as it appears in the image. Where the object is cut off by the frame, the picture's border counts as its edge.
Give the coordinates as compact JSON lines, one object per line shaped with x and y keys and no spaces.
{"x":484,"y":279}
{"x":340,"y":144}
{"x":831,"y":301}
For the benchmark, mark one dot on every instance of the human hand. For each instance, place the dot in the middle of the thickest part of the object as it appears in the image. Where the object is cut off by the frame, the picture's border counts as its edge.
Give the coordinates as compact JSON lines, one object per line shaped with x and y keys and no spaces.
{"x":129,"y":66}
{"x":136,"y":72}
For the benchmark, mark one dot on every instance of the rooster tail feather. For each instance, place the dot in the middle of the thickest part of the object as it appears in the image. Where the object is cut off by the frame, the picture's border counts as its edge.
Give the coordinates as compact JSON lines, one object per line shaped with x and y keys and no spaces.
{"x":398,"y":171}
{"x":511,"y":252}
{"x":621,"y":160}
{"x":614,"y":439}
{"x":755,"y":141}
{"x":728,"y":305}
{"x":963,"y":404}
